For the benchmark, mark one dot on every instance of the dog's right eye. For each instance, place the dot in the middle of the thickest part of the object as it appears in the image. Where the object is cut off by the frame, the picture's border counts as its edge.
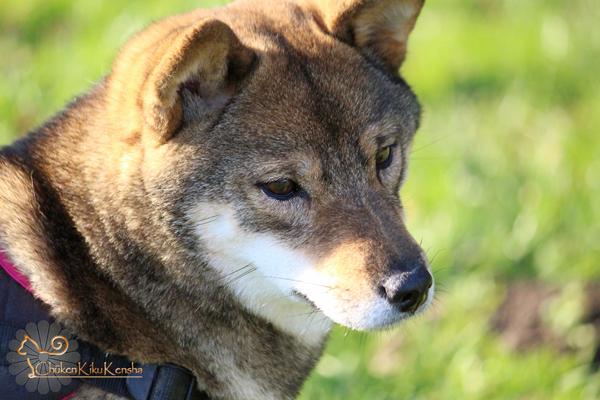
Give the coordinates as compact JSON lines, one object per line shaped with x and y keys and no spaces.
{"x":281,"y":190}
{"x":383,"y":159}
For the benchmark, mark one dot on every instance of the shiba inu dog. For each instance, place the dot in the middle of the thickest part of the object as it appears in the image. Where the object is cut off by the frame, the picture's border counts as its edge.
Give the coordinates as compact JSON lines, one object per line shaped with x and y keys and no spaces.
{"x":235,"y":175}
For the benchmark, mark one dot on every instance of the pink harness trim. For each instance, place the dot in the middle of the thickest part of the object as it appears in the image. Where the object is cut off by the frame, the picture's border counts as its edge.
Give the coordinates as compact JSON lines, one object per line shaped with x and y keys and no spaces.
{"x":14,"y":272}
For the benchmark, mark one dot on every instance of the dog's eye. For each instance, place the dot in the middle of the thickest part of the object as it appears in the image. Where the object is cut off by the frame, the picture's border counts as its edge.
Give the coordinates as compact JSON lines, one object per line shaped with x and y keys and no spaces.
{"x":383,"y":159}
{"x":281,"y":190}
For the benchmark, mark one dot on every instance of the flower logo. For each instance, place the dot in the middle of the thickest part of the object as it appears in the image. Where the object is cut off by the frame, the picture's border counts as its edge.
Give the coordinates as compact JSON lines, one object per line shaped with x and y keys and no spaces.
{"x":40,"y":355}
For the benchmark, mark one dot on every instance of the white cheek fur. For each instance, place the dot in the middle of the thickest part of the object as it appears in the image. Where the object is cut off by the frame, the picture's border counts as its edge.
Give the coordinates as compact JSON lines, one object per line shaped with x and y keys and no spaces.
{"x":262,"y":272}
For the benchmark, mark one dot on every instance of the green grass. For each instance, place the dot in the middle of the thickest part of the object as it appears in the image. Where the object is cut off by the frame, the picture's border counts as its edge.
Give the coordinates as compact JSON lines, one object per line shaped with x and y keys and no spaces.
{"x":504,"y":182}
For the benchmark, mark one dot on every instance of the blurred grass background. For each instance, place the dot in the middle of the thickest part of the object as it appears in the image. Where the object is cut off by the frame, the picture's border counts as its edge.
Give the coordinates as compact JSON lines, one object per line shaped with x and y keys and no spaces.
{"x":504,"y":184}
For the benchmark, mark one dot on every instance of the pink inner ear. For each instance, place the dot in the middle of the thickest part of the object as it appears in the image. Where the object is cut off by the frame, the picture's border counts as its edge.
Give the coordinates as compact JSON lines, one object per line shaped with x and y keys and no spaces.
{"x":205,"y":91}
{"x":195,"y":87}
{"x":207,"y":98}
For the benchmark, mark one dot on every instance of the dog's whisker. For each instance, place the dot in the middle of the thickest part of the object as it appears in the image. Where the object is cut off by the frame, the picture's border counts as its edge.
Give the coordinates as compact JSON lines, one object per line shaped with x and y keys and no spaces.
{"x":438,"y":302}
{"x":321,"y":321}
{"x":440,"y":269}
{"x":232,"y":273}
{"x":407,"y":330}
{"x":307,"y":314}
{"x":296,"y":280}
{"x":429,"y":248}
{"x":324,"y":319}
{"x":436,"y":254}
{"x":207,"y":220}
{"x":432,"y":143}
{"x":253,"y":269}
{"x":433,"y":307}
{"x":314,"y":314}
{"x":363,"y":340}
{"x":285,"y":296}
{"x":271,"y":277}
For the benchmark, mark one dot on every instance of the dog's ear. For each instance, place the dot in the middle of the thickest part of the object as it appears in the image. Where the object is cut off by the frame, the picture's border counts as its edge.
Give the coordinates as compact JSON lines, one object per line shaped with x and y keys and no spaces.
{"x":380,"y":26}
{"x":204,"y":59}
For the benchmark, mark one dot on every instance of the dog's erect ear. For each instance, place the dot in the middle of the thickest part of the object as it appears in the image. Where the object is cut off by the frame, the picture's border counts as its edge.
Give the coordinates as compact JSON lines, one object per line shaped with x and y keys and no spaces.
{"x":205,"y":58}
{"x":382,"y":26}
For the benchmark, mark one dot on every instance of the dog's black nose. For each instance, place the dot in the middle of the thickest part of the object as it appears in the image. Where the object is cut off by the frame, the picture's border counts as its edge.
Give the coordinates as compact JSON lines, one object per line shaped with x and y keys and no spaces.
{"x":408,"y":290}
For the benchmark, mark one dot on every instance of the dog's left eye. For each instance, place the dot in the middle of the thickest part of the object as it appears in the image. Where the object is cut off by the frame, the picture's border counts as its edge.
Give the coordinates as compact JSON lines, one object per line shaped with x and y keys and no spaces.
{"x":383,"y":159}
{"x":281,"y":190}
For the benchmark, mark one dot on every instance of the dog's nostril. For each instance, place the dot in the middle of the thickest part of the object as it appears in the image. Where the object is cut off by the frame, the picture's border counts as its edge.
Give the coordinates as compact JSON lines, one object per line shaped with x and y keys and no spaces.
{"x":409,"y":290}
{"x":408,"y":301}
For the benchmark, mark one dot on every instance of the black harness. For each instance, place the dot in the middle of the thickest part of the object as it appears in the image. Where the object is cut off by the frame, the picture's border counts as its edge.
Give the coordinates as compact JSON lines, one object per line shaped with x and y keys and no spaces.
{"x":158,"y":382}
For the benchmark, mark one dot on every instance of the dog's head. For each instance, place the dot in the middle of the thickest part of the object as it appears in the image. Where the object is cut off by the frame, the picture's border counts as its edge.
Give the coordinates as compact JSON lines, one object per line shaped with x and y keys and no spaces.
{"x":281,"y":132}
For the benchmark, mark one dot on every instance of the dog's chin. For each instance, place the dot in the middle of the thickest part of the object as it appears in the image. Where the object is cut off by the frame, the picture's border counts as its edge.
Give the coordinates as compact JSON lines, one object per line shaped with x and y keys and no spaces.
{"x":376,"y":315}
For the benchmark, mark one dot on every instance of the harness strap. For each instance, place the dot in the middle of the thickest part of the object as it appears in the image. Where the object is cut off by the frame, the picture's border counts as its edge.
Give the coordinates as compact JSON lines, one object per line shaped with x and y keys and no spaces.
{"x":170,"y":382}
{"x":158,"y":382}
{"x":18,"y":307}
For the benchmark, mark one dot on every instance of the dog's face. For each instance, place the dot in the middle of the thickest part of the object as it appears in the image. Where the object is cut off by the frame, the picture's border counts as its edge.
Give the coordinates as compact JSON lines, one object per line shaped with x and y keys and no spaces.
{"x":290,"y":134}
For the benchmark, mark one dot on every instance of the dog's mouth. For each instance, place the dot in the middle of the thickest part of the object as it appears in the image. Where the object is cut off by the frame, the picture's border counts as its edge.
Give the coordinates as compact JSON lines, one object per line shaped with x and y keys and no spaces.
{"x":374,"y":310}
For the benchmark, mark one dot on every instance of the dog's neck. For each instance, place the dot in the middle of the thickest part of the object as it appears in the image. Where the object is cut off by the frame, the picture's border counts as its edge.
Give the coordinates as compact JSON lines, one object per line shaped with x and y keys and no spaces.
{"x":131,"y":300}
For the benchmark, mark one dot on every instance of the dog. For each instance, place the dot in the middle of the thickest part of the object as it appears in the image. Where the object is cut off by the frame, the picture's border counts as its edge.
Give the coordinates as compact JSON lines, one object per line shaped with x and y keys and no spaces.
{"x":237,"y":171}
